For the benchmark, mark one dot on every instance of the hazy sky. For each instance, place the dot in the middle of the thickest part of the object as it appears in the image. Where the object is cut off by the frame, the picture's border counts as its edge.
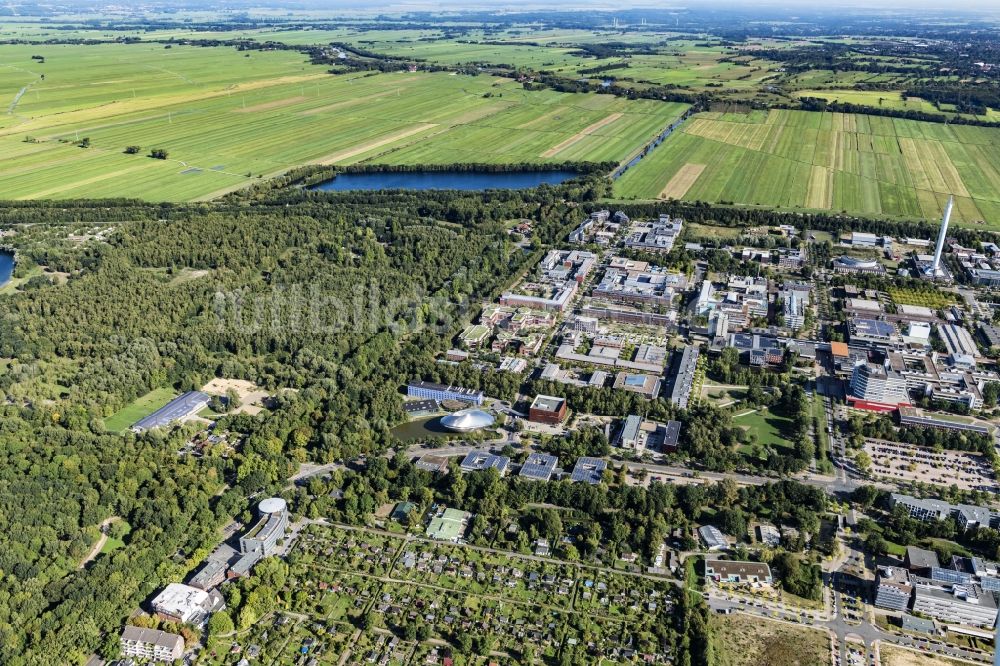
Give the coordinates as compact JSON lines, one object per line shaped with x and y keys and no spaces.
{"x":935,"y":5}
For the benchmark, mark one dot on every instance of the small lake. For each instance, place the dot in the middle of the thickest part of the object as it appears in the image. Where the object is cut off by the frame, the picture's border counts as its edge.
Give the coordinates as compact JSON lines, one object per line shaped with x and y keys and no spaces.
{"x":6,"y":267}
{"x":422,"y":429}
{"x":444,"y":180}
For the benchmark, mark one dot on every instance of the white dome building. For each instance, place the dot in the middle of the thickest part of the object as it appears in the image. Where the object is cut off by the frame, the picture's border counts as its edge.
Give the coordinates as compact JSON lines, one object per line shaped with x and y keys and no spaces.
{"x":467,"y":420}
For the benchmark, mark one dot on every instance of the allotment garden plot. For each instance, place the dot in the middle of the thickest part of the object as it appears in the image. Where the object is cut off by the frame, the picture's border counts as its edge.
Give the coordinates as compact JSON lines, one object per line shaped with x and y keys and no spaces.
{"x":827,"y":161}
{"x":339,"y":576}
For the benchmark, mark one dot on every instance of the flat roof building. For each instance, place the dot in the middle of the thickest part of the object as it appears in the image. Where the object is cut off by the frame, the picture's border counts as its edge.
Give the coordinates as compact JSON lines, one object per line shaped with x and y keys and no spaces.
{"x":630,"y":436}
{"x":648,"y":386}
{"x":182,"y":603}
{"x":432,"y":463}
{"x":589,"y":470}
{"x":683,"y":380}
{"x":547,"y":409}
{"x":449,"y":525}
{"x":671,"y":436}
{"x":476,"y":461}
{"x":539,"y":467}
{"x":957,"y":604}
{"x":263,"y":537}
{"x":892,"y":588}
{"x":920,"y":559}
{"x":439,"y":392}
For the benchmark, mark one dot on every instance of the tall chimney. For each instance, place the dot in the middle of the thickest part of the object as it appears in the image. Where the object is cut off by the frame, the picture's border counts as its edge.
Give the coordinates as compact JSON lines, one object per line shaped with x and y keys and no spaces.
{"x":936,"y":264}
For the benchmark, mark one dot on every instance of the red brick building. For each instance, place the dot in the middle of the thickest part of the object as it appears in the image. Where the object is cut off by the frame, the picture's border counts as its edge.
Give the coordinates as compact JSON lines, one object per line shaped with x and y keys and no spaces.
{"x":547,"y":409}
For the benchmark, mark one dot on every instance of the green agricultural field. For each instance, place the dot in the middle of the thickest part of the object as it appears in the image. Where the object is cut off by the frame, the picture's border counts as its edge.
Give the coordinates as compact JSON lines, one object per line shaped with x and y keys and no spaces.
{"x":226,"y":118}
{"x":876,"y":98}
{"x":139,"y":408}
{"x":827,"y":161}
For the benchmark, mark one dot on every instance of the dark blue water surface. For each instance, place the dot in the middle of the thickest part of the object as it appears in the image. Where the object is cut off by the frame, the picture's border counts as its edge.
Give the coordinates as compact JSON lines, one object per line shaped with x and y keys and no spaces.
{"x":6,"y":266}
{"x":443,"y":180}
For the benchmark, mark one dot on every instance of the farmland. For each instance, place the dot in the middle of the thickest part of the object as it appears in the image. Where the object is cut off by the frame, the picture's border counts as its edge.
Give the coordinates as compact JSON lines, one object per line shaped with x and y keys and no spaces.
{"x":227,"y":118}
{"x":829,"y":161}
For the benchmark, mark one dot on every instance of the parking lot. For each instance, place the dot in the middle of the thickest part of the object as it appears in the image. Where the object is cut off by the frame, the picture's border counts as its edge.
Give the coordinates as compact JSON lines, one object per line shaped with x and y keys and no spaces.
{"x":905,"y":462}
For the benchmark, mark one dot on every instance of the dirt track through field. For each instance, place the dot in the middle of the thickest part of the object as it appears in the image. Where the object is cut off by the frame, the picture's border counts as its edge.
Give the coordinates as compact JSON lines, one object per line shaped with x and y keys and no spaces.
{"x":276,"y":104}
{"x":585,"y":132}
{"x":682,"y":181}
{"x":375,"y":143}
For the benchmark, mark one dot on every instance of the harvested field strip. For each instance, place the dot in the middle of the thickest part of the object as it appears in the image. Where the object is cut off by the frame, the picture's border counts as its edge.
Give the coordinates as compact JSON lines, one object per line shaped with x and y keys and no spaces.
{"x":276,"y":104}
{"x":579,"y":136}
{"x":41,"y":194}
{"x":820,"y":188}
{"x":682,"y":181}
{"x":372,"y":145}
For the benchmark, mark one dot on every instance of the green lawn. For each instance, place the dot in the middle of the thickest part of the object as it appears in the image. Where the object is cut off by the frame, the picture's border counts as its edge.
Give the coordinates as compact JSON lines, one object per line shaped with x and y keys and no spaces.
{"x":139,"y":408}
{"x":860,"y":164}
{"x":770,"y":429}
{"x":113,"y":544}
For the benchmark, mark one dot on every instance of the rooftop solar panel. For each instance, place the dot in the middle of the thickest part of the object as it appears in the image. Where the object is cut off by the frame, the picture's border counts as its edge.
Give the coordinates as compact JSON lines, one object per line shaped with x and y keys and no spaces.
{"x":176,"y":409}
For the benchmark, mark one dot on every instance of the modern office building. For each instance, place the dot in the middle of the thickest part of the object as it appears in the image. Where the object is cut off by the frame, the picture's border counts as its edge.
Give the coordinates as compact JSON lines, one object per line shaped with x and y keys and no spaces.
{"x":955,"y":604}
{"x":263,"y":537}
{"x":794,"y":309}
{"x":656,"y":236}
{"x":877,"y":388}
{"x":439,"y":392}
{"x":631,"y":436}
{"x":849,"y":265}
{"x":967,"y":516}
{"x":151,"y":644}
{"x":893,"y":589}
{"x":921,"y":509}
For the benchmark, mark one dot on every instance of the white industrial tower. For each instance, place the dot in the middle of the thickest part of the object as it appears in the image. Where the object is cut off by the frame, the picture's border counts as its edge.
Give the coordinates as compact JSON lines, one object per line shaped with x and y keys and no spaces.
{"x":935,"y":270}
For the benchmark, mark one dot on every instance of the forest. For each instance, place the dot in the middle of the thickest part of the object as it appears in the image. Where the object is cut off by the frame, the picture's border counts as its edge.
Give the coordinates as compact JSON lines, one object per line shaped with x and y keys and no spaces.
{"x":331,"y":303}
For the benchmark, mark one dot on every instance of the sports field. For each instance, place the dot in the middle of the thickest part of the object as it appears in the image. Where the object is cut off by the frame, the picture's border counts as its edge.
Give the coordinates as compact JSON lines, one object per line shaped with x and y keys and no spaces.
{"x":827,"y":161}
{"x":226,"y":118}
{"x":141,"y":407}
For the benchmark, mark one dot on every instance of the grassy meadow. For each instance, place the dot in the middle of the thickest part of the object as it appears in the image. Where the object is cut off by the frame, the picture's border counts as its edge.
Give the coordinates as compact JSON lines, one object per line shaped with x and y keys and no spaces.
{"x":827,"y":161}
{"x":227,"y":118}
